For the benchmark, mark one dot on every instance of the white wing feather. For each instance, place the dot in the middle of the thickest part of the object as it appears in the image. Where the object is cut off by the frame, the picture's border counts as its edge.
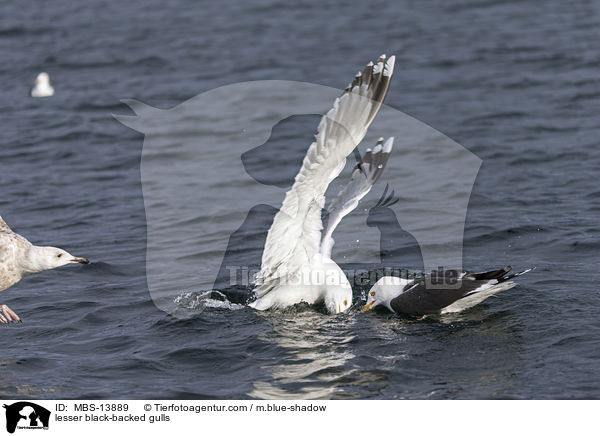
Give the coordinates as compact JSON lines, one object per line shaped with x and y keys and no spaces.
{"x":363,"y":177}
{"x":295,"y":235}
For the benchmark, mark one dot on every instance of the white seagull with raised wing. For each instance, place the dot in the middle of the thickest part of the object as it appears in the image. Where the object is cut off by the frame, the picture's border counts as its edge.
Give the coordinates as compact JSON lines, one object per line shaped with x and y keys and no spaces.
{"x":296,"y":263}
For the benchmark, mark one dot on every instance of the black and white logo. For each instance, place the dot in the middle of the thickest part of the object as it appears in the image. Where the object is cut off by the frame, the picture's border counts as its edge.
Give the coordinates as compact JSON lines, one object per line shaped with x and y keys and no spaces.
{"x":26,"y":415}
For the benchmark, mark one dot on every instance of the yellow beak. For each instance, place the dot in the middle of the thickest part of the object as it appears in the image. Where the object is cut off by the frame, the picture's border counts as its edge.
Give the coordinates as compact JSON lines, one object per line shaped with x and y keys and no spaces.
{"x":368,"y":306}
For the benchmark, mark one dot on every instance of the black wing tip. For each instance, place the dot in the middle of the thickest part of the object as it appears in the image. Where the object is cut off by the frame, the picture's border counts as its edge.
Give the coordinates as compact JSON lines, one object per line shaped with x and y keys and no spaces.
{"x":375,"y":75}
{"x":499,"y":275}
{"x":373,"y":162}
{"x":520,"y":273}
{"x":381,"y":154}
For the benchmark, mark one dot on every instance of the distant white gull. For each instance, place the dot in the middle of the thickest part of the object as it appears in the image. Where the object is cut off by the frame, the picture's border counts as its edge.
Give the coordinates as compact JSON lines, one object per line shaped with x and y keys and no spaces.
{"x":19,"y":258}
{"x":453,"y":292}
{"x":42,"y":87}
{"x":296,"y":263}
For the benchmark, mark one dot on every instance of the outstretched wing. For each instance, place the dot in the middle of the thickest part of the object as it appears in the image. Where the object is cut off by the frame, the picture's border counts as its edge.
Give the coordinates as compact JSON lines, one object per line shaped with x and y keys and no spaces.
{"x":364,"y":176}
{"x":295,"y":235}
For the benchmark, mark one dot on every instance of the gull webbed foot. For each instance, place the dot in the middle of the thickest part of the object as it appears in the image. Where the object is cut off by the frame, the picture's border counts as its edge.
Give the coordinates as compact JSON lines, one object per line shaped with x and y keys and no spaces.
{"x":8,"y":315}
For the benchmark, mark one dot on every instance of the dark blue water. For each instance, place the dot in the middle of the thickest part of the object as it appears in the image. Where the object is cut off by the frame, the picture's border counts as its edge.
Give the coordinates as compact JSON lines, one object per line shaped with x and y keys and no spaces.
{"x":516,"y":83}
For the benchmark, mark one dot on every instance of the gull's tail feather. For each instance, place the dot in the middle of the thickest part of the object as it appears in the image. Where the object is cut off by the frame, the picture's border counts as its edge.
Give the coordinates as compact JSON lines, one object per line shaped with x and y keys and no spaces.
{"x":295,"y":235}
{"x":517,"y":274}
{"x":499,"y":275}
{"x":490,"y":275}
{"x":493,"y":282}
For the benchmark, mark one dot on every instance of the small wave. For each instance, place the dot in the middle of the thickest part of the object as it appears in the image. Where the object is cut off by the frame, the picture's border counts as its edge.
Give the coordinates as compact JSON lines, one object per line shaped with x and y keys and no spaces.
{"x":13,"y":31}
{"x":199,"y":301}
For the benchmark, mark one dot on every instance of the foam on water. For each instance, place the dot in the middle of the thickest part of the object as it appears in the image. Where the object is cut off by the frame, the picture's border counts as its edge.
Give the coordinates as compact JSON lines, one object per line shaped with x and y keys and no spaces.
{"x":199,"y":301}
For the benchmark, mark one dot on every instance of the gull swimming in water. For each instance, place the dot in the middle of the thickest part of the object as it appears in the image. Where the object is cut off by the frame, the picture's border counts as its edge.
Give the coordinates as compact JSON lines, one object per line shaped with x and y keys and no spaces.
{"x":454,"y":292}
{"x":296,"y":261}
{"x":19,"y":258}
{"x":42,"y":87}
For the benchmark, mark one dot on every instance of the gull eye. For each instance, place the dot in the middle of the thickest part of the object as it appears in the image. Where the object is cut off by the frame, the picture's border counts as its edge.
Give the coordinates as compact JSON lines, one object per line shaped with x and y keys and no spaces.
{"x":59,"y":255}
{"x":372,"y":293}
{"x":345,"y":302}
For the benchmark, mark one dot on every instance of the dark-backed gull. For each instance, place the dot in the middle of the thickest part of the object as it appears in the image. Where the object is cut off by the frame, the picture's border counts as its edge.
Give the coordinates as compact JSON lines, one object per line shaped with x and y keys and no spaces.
{"x":449,"y":292}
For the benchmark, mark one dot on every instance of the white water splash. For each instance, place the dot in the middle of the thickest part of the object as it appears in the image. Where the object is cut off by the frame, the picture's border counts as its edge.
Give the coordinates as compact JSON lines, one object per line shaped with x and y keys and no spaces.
{"x":198,"y":301}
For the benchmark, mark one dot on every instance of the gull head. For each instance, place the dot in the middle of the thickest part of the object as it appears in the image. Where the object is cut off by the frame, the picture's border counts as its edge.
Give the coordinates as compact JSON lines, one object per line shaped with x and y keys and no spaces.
{"x":42,"y":79}
{"x":384,"y":291}
{"x":373,"y":299}
{"x":43,"y":258}
{"x":338,"y":299}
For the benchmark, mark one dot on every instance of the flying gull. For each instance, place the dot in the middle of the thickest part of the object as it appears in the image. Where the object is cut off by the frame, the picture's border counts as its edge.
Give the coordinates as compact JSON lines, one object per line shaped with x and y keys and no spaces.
{"x":42,"y":87}
{"x":452,"y":292}
{"x":296,"y":262}
{"x":19,"y":258}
